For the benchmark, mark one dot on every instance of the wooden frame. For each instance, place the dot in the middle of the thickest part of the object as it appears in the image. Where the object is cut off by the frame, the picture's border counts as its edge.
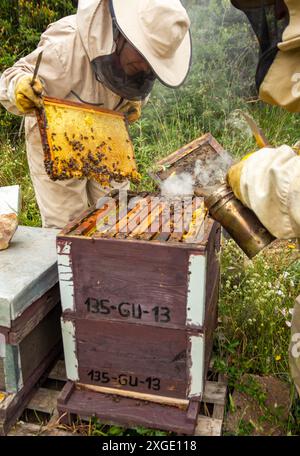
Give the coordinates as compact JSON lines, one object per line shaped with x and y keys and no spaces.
{"x":164,"y":167}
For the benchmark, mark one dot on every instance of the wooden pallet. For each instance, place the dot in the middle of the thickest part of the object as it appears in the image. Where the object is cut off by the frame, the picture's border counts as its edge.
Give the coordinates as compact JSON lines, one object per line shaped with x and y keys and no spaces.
{"x":44,"y":402}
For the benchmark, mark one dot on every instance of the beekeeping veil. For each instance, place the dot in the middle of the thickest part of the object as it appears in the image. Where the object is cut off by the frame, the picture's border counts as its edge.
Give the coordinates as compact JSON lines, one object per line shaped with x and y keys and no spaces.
{"x":276,"y":24}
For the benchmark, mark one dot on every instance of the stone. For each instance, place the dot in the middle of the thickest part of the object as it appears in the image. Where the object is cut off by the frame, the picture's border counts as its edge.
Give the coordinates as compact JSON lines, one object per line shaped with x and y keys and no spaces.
{"x":8,"y":226}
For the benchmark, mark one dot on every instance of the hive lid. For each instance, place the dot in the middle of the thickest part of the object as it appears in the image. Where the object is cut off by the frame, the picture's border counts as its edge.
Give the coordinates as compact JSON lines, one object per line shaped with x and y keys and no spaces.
{"x":82,"y":141}
{"x":28,"y":270}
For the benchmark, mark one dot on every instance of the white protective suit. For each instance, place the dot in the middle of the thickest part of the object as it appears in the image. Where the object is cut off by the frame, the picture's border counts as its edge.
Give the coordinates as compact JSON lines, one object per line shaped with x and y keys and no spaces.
{"x":270,"y":186}
{"x":69,"y":46}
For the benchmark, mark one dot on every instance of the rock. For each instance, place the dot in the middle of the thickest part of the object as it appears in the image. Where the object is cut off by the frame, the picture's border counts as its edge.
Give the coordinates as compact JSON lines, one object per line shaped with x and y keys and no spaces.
{"x":8,"y":226}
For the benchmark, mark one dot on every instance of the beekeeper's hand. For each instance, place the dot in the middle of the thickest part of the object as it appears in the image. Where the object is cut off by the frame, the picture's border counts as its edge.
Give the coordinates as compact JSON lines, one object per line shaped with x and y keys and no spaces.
{"x":27,"y":96}
{"x":268,"y":183}
{"x":234,"y":177}
{"x":132,"y":110}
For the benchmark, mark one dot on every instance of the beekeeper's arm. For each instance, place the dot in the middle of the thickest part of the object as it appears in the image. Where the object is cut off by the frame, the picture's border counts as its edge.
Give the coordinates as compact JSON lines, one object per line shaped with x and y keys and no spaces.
{"x":268,"y":182}
{"x":54,"y":76}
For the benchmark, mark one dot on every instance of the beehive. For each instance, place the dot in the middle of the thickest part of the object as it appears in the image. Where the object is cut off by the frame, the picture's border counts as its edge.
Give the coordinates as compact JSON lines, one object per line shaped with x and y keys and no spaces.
{"x":140,"y":304}
{"x":30,"y":335}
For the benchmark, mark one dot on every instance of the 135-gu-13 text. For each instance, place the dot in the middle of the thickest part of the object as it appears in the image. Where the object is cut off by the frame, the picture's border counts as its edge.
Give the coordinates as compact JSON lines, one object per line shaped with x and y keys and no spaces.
{"x":128,"y":310}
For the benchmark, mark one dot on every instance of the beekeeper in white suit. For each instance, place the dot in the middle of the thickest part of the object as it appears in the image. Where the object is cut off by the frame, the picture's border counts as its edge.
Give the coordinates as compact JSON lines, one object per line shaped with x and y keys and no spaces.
{"x":108,"y":54}
{"x":268,"y":181}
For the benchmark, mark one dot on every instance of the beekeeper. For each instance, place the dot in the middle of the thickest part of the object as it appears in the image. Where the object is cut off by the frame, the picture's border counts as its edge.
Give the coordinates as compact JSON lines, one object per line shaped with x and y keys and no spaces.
{"x":109,"y":54}
{"x":268,"y":181}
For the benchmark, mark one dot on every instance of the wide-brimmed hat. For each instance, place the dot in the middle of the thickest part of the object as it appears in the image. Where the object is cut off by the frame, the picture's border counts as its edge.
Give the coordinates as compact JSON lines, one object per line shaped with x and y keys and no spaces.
{"x":249,"y":4}
{"x":159,"y":30}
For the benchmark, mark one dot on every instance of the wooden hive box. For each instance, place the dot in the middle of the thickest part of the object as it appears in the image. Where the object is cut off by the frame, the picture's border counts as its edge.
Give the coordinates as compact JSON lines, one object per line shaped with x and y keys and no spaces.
{"x":139,"y":309}
{"x":30,"y":334}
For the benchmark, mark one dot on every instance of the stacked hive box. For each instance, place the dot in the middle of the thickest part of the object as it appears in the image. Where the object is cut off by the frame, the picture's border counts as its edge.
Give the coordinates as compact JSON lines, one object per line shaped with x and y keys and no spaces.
{"x":139,"y":311}
{"x":30,"y":335}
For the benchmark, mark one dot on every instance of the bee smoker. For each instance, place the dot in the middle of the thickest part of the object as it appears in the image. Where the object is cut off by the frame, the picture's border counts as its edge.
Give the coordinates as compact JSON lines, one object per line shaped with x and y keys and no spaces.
{"x":239,"y":221}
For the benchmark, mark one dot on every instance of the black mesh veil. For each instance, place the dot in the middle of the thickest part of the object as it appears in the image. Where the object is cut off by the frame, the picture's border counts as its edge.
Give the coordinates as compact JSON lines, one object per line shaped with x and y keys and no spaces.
{"x":268,"y":19}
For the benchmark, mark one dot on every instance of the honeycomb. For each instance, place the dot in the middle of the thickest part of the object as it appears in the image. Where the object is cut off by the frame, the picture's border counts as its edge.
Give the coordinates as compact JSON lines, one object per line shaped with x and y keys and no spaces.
{"x":81,"y":141}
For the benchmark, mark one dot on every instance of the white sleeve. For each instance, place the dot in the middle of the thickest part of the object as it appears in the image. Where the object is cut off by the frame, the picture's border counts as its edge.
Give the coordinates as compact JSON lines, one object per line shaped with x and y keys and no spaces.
{"x":52,"y":72}
{"x":270,"y":186}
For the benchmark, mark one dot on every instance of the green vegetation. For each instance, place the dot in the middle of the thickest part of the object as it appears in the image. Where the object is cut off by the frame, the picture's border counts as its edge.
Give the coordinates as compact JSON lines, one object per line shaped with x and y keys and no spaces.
{"x":256,"y":296}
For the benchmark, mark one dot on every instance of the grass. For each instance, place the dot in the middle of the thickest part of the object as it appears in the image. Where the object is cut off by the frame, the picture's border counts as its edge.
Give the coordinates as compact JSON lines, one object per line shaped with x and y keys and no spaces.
{"x":254,"y":330}
{"x":256,"y":296}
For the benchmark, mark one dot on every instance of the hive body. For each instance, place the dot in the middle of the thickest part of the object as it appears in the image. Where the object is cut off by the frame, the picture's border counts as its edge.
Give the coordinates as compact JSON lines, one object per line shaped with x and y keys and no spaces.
{"x":138,"y":315}
{"x":30,"y":335}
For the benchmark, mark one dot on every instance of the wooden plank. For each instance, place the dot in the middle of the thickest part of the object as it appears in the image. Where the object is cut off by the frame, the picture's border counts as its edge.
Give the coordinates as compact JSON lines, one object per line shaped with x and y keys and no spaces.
{"x":135,"y":217}
{"x":125,"y":213}
{"x":132,"y":357}
{"x":193,"y":411}
{"x":215,"y":393}
{"x":195,"y":232}
{"x":188,"y":231}
{"x":126,"y":412}
{"x":100,"y":221}
{"x":59,"y":371}
{"x":150,"y":216}
{"x":140,"y":282}
{"x":44,"y":400}
{"x":219,"y":409}
{"x":218,"y":412}
{"x":90,"y":223}
{"x":182,"y":403}
{"x":66,"y":392}
{"x":208,"y":427}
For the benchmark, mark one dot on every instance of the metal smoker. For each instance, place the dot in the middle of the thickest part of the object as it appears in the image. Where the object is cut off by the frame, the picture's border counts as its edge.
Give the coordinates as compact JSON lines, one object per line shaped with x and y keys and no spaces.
{"x":239,"y":221}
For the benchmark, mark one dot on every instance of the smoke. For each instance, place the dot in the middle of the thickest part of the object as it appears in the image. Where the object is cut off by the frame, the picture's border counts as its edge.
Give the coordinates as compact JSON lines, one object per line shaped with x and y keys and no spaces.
{"x":212,"y":170}
{"x":237,"y":124}
{"x":178,"y":185}
{"x":207,"y":172}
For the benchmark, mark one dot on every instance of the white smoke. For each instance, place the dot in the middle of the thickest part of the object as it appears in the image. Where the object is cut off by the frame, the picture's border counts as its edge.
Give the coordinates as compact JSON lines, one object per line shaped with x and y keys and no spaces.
{"x":208,"y":172}
{"x":238,"y":124}
{"x":178,"y":185}
{"x":212,"y":171}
